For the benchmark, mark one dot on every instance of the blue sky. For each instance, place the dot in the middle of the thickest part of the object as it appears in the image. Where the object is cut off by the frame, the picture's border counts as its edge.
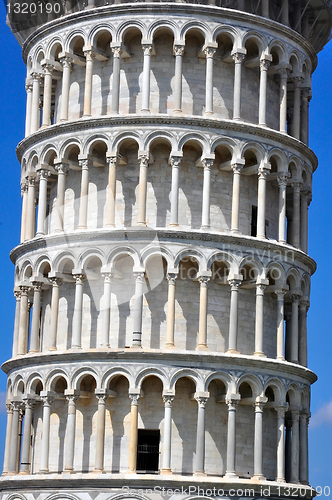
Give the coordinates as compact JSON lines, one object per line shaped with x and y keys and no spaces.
{"x":12,"y":118}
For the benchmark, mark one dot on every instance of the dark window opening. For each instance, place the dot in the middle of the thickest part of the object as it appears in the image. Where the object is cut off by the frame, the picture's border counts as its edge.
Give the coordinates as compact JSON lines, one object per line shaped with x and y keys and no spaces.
{"x":148,"y":451}
{"x":253,"y":220}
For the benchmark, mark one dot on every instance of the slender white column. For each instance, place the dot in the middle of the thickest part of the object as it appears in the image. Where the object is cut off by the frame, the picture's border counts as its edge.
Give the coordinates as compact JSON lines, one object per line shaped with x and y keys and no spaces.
{"x":78,"y":310}
{"x":28,"y":88}
{"x":147,"y":49}
{"x":209,"y":53}
{"x":259,"y":322}
{"x":281,"y":443}
{"x":85,"y":164}
{"x":288,"y":448}
{"x":45,"y":442}
{"x":282,"y":183}
{"x":35,"y":117}
{"x":258,"y":441}
{"x":285,"y":12}
{"x":295,"y":328}
{"x":200,"y":435}
{"x":133,"y":436}
{"x":111,"y":192}
{"x":23,"y":325}
{"x":31,"y":208}
{"x":305,"y":201}
{"x":296,"y":214}
{"x":24,"y":194}
{"x":142,"y":189}
{"x":168,"y":401}
{"x":280,"y":324}
{"x":138,"y":311}
{"x":66,"y":64}
{"x":88,"y":82}
{"x":178,"y":51}
{"x":35,"y":323}
{"x":43,"y":175}
{"x":296,"y":127}
{"x":56,"y":283}
{"x":295,"y":449}
{"x":231,"y":436}
{"x":106,"y":318}
{"x":237,"y":168}
{"x":306,"y":96}
{"x":71,"y":398}
{"x":263,"y":172}
{"x":283,"y":72}
{"x":17,"y":295}
{"x":207,"y":164}
{"x":47,"y":101}
{"x":26,"y":442}
{"x":62,"y":170}
{"x":175,"y":163}
{"x":171,"y":278}
{"x":234,"y":283}
{"x":203,"y":307}
{"x":9,"y":407}
{"x":100,"y":439}
{"x":14,"y":438}
{"x":303,"y":341}
{"x":116,"y":79}
{"x":264,"y":66}
{"x":238,"y":58}
{"x":304,"y":420}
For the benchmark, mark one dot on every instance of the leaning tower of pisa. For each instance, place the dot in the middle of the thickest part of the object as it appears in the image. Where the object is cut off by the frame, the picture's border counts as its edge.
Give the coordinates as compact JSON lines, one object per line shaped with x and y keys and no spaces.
{"x":162,"y":279}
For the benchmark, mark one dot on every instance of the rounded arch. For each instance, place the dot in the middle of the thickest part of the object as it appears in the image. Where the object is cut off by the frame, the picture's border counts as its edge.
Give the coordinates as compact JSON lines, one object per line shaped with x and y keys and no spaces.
{"x":54,"y":47}
{"x":223,"y":377}
{"x":67,"y":147}
{"x":164,"y":24}
{"x":81,"y":373}
{"x":293,"y":396}
{"x":295,"y":61}
{"x":62,"y":496}
{"x":226,"y":257}
{"x":73,"y":37}
{"x":117,"y":372}
{"x":196,"y":26}
{"x":230,"y":31}
{"x":305,"y":285}
{"x":253,"y":382}
{"x":278,"y":51}
{"x":191,"y":252}
{"x":42,"y":266}
{"x":159,"y":136}
{"x":193,"y":375}
{"x":126,"y":137}
{"x":231,"y":144}
{"x":280,"y":158}
{"x":38,"y":56}
{"x":251,"y":267}
{"x":53,"y":377}
{"x":277,"y":388}
{"x":126,"y":26}
{"x":96,"y":140}
{"x":276,"y":273}
{"x":124,"y":251}
{"x":256,"y":149}
{"x":195,"y":139}
{"x":19,"y":387}
{"x":48,"y":154}
{"x":26,"y":271}
{"x":99,"y":29}
{"x":293,"y":279}
{"x":148,"y":372}
{"x":256,"y":38}
{"x":157,"y":251}
{"x":62,"y":260}
{"x":34,"y":383}
{"x":90,"y":254}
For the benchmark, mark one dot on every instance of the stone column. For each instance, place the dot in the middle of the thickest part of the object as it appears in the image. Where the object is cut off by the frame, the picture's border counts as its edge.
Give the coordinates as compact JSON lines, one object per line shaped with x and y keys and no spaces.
{"x":280,"y":324}
{"x":8,"y":438}
{"x":288,"y":449}
{"x":237,"y":168}
{"x":133,"y":437}
{"x":62,"y":170}
{"x":56,"y":283}
{"x":281,"y":443}
{"x":203,"y":309}
{"x":23,"y":325}
{"x":264,"y":66}
{"x":231,"y":436}
{"x":66,"y":64}
{"x":294,"y":357}
{"x":28,"y":88}
{"x":100,"y":440}
{"x":304,"y":132}
{"x":35,"y":323}
{"x":258,"y":441}
{"x":305,"y":201}
{"x":259,"y":322}
{"x":207,"y":164}
{"x":209,"y":53}
{"x":238,"y":58}
{"x":78,"y":309}
{"x":111,"y":192}
{"x":178,"y":51}
{"x":116,"y":79}
{"x":200,"y":435}
{"x":31,"y":208}
{"x":105,"y":335}
{"x":24,"y":194}
{"x":168,"y":401}
{"x":88,"y":82}
{"x":26,"y":443}
{"x":142,"y":189}
{"x":35,"y":117}
{"x":138,"y":311}
{"x":304,"y":421}
{"x":171,"y":278}
{"x":17,"y":295}
{"x":282,"y":183}
{"x":263,"y":172}
{"x":296,"y":214}
{"x":265,"y":8}
{"x":147,"y":49}
{"x":234,"y":282}
{"x":83,"y":211}
{"x":295,"y":449}
{"x":14,"y":438}
{"x":296,"y":127}
{"x":283,"y":72}
{"x":71,"y":398}
{"x":285,"y":12}
{"x":47,"y":101}
{"x":303,"y":350}
{"x":45,"y":442}
{"x":43,"y":175}
{"x":175,"y":163}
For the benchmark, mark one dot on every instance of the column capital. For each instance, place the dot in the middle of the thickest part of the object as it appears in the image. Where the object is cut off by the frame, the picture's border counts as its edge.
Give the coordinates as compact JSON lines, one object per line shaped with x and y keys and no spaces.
{"x":28,"y":86}
{"x":61,"y":168}
{"x":147,"y":48}
{"x":107,"y":276}
{"x":209,"y":51}
{"x":168,"y":401}
{"x":178,"y":50}
{"x":24,"y":188}
{"x":238,"y":57}
{"x":37,"y":286}
{"x":264,"y":170}
{"x":297,"y":81}
{"x":283,"y":179}
{"x":72,"y":398}
{"x":204,"y":278}
{"x":295,"y":415}
{"x":281,"y":409}
{"x":232,"y":401}
{"x":284,"y":72}
{"x":261,"y":284}
{"x":280,"y":293}
{"x":88,"y":53}
{"x":235,"y":281}
{"x":47,"y":398}
{"x":85,"y":163}
{"x":24,"y":289}
{"x":36,"y":76}
{"x":175,"y":161}
{"x":117,"y":50}
{"x":66,"y":61}
{"x":55,"y":280}
{"x":79,"y":278}
{"x":304,"y":304}
{"x":139,"y":275}
{"x":134,"y":397}
{"x":144,"y":159}
{"x":43,"y":173}
{"x":296,"y":185}
{"x":112,"y":160}
{"x":171,"y":278}
{"x":201,"y":399}
{"x":31,"y":179}
{"x":9,"y":407}
{"x":264,"y":64}
{"x":237,"y":166}
{"x":259,"y":403}
{"x":295,"y":295}
{"x":48,"y":68}
{"x":207,"y":163}
{"x":29,"y":403}
{"x":16,"y":405}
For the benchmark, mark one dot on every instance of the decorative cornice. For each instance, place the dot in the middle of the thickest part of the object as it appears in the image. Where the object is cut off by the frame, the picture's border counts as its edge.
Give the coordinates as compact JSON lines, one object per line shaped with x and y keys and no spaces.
{"x":201,"y":123}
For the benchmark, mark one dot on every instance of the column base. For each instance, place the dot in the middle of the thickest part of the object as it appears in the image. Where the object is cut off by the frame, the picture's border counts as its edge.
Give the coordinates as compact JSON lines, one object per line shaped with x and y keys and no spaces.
{"x":260,"y":354}
{"x":169,"y":346}
{"x":24,"y":473}
{"x":177,"y":112}
{"x":280,"y":358}
{"x":80,"y":228}
{"x":33,"y":351}
{"x":208,"y":113}
{"x":98,"y":471}
{"x":202,"y":347}
{"x":141,"y":224}
{"x":40,"y":235}
{"x":52,"y":349}
{"x":167,"y":472}
{"x":45,"y":125}
{"x":258,"y":477}
{"x":200,"y":473}
{"x":232,"y":351}
{"x":235,"y":231}
{"x":69,"y":471}
{"x":231,"y":475}
{"x":173,"y":225}
{"x":283,"y":242}
{"x":86,"y":116}
{"x":205,"y":228}
{"x":43,"y":471}
{"x":281,"y":480}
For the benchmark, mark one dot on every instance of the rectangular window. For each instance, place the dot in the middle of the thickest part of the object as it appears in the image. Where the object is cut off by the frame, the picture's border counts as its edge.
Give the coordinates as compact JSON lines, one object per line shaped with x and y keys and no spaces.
{"x":148,"y":451}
